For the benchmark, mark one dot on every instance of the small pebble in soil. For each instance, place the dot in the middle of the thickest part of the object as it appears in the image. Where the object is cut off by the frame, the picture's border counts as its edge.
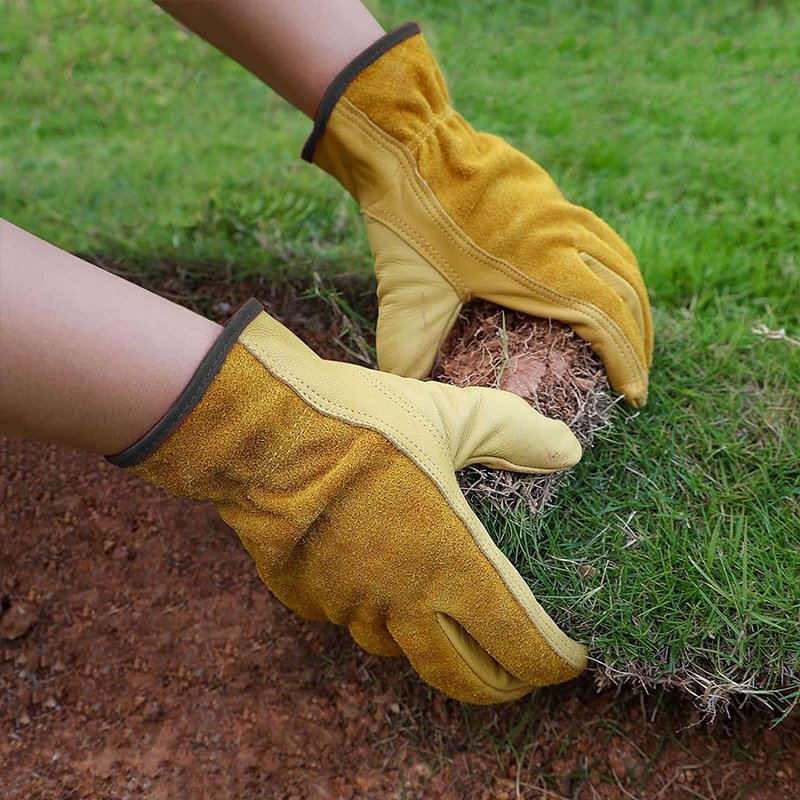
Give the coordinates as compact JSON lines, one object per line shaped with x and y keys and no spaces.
{"x":17,"y":620}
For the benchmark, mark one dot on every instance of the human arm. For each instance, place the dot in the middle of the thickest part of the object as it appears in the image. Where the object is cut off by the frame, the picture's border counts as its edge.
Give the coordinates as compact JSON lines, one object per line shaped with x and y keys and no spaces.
{"x":296,"y":47}
{"x":339,"y":480}
{"x":87,"y":359}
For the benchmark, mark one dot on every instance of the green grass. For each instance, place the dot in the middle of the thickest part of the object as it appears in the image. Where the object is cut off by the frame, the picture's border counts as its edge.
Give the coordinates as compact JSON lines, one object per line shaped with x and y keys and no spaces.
{"x":674,"y":548}
{"x":122,"y":134}
{"x":675,"y":545}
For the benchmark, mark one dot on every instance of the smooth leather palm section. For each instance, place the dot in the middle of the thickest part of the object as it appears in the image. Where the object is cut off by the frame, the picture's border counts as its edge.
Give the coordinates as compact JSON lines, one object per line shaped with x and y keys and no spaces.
{"x":345,"y":525}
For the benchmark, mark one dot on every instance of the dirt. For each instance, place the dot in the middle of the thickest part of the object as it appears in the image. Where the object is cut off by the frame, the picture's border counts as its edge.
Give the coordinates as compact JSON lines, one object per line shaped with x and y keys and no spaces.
{"x":542,"y":361}
{"x":142,"y":657}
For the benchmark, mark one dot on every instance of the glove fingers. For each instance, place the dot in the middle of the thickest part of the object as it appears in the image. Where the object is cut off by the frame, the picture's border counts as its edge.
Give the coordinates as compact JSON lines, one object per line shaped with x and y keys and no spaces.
{"x":595,"y":311}
{"x":603,"y":231}
{"x":374,"y":639}
{"x":611,"y":330}
{"x":486,"y":639}
{"x":622,"y":287}
{"x":616,"y":321}
{"x":464,"y":670}
{"x":627,"y":281}
{"x":500,"y":430}
{"x":496,"y":609}
{"x":604,"y":245}
{"x":620,"y":271}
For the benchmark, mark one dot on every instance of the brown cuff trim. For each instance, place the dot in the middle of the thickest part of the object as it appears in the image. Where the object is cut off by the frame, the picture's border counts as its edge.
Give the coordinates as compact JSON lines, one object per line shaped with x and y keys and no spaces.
{"x":347,"y":76}
{"x":195,"y":389}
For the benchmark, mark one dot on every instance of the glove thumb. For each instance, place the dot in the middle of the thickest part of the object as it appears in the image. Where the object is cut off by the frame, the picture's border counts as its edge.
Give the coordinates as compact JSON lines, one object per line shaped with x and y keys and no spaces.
{"x":417,"y":307}
{"x":500,"y":430}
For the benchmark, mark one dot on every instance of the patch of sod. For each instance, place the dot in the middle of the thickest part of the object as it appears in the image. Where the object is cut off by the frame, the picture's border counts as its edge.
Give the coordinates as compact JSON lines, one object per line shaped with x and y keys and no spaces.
{"x":673,"y":547}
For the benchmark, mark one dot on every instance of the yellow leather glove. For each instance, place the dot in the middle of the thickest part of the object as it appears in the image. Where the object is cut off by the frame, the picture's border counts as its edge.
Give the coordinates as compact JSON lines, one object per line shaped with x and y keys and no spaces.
{"x":339,"y":481}
{"x":452,"y":214}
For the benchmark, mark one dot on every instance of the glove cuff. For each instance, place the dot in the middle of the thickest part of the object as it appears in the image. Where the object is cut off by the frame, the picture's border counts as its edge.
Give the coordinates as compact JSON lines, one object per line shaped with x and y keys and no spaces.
{"x":347,"y":76}
{"x":194,"y":391}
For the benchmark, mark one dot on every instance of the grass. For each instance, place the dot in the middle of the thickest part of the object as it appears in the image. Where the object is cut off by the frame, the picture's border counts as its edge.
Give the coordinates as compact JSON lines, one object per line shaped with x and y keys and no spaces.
{"x":124,"y":134}
{"x":673,"y":548}
{"x":124,"y":137}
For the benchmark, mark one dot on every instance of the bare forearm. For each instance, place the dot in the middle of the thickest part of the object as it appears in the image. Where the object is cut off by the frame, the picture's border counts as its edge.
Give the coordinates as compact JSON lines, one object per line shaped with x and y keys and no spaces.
{"x":295,"y":46}
{"x":87,"y":359}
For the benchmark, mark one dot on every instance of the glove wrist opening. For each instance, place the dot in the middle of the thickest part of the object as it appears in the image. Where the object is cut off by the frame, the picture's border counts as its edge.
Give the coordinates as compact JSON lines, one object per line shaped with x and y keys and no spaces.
{"x":194,"y":391}
{"x":347,"y":76}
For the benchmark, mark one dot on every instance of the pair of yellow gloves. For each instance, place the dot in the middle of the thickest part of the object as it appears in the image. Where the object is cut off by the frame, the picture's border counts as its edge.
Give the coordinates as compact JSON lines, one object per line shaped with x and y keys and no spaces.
{"x":340,"y":480}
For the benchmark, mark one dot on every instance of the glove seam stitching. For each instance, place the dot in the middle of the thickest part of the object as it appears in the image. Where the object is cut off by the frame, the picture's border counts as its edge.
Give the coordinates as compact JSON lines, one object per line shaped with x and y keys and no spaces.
{"x":289,"y":445}
{"x":430,"y":127}
{"x":359,"y":118}
{"x":417,"y":455}
{"x":447,"y":225}
{"x":388,"y":217}
{"x":546,"y":626}
{"x":410,"y":410}
{"x":634,"y":291}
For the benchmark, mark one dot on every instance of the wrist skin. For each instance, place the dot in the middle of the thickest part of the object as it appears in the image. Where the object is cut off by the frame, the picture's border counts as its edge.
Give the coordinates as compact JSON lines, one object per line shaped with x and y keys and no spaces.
{"x":297,"y":48}
{"x":87,"y":359}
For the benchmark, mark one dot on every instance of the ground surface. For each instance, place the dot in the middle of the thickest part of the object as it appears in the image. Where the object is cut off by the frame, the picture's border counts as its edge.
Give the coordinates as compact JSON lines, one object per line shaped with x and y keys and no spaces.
{"x":155,"y":664}
{"x":678,"y":127}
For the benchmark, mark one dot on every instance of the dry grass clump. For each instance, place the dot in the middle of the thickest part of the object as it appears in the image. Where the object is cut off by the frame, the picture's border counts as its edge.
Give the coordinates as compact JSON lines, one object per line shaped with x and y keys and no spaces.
{"x":544,"y":362}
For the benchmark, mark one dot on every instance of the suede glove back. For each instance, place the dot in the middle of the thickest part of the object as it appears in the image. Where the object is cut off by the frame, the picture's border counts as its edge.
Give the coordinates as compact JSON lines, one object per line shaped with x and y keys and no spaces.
{"x":453,"y":214}
{"x":340,"y":483}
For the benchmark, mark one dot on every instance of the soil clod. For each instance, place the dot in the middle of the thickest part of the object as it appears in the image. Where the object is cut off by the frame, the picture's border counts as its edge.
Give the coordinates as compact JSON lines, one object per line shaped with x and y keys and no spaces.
{"x":543,"y":361}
